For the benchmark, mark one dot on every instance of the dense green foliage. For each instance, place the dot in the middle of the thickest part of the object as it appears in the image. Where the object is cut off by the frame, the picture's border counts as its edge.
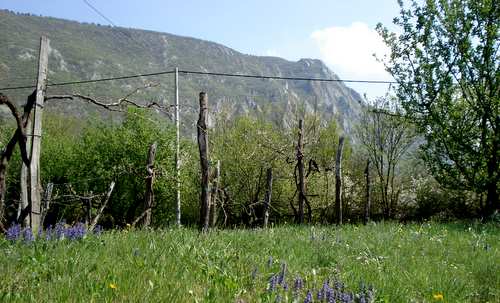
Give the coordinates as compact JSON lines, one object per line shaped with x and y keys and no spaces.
{"x":404,"y":263}
{"x":82,"y":159}
{"x":446,"y":62}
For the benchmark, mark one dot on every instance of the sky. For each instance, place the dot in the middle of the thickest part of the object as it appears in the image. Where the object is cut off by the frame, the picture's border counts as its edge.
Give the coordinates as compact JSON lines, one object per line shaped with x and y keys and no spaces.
{"x":339,"y":32}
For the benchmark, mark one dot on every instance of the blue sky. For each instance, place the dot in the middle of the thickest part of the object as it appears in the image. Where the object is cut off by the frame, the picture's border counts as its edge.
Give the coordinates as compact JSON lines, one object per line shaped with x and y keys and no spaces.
{"x":340,"y":32}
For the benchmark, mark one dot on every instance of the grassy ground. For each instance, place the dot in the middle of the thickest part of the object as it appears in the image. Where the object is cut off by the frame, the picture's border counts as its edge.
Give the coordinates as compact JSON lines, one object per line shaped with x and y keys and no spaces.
{"x":404,"y":263}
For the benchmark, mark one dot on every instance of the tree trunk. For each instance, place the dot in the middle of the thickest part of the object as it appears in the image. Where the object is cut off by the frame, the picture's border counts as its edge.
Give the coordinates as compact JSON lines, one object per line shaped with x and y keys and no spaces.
{"x":214,"y":198}
{"x":269,"y":190}
{"x":149,"y":196}
{"x":19,"y":137}
{"x":300,"y":165}
{"x":368,"y":197}
{"x":338,"y":182}
{"x":203,"y":150}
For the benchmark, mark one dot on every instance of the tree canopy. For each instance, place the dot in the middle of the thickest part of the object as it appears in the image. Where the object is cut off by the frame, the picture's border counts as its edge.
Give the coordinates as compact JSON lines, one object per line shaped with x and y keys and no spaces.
{"x":446,"y":61}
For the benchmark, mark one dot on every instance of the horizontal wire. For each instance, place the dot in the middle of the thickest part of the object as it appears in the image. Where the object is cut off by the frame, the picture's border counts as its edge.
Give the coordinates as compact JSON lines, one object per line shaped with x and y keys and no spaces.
{"x":287,"y":78}
{"x":207,"y":74}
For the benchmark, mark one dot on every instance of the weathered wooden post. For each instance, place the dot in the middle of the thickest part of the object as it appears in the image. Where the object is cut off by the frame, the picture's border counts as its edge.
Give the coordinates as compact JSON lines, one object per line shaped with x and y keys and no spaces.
{"x":338,"y":181}
{"x":149,"y":196}
{"x":34,"y":186}
{"x":215,"y":195}
{"x":269,"y":191}
{"x":300,"y":165}
{"x":203,"y":149}
{"x":368,"y":197}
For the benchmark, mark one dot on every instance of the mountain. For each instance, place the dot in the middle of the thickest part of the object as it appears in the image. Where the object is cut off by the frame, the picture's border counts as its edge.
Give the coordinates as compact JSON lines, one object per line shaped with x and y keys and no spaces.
{"x":93,"y":51}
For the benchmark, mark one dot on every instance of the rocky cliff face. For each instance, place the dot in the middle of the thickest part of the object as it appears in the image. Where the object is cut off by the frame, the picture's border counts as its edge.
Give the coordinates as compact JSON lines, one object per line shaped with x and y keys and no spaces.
{"x":90,"y":51}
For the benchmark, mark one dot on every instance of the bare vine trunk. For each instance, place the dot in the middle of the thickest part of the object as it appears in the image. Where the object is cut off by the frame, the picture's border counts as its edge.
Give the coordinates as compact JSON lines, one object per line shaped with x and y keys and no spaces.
{"x":338,"y":181}
{"x":368,"y":196}
{"x":269,"y":190}
{"x":203,"y":150}
{"x":300,"y":166}
{"x":149,"y":196}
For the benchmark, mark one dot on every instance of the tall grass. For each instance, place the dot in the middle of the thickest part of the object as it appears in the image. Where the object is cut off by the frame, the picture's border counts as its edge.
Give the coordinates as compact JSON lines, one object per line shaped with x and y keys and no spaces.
{"x":403,"y":263}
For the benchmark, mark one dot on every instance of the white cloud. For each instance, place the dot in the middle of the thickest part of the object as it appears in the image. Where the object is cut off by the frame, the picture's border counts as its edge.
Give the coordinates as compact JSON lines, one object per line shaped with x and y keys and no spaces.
{"x":272,"y":53}
{"x":349,"y":51}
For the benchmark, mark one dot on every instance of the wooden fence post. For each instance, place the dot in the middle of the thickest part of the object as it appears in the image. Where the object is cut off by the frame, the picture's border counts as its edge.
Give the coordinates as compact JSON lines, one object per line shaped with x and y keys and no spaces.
{"x":368,"y":197}
{"x":203,"y":149}
{"x":269,"y":191}
{"x":34,"y":189}
{"x":300,"y":165}
{"x":338,"y":181}
{"x":149,"y":196}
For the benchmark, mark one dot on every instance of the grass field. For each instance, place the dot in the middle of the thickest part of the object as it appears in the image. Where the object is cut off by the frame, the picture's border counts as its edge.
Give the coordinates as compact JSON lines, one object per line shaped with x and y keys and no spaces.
{"x":403,"y":263}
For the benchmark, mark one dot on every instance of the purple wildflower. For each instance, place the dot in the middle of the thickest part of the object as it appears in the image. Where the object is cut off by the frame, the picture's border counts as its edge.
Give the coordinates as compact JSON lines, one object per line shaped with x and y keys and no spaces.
{"x":48,"y":233}
{"x":272,"y":283}
{"x":325,"y":292}
{"x":285,"y":285}
{"x":14,"y":232}
{"x":298,"y":284}
{"x":59,"y":230}
{"x":309,"y":297}
{"x":98,"y":230}
{"x":346,"y":297}
{"x":282,"y":275}
{"x":337,"y":285}
{"x":28,"y":235}
{"x":76,"y":232}
{"x":365,"y":293}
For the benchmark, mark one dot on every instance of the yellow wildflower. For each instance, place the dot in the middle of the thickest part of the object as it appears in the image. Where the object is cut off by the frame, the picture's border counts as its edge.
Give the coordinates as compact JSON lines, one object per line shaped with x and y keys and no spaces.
{"x":113,"y":286}
{"x":438,"y":296}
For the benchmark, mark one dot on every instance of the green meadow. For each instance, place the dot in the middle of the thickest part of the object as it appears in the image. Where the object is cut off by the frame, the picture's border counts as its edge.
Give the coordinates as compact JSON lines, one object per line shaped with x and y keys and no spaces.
{"x":426,"y":262}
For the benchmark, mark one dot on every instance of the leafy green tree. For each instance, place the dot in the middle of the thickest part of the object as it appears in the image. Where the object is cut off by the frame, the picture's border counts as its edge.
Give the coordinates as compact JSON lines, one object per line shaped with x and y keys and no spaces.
{"x":446,"y":61}
{"x":386,"y":137}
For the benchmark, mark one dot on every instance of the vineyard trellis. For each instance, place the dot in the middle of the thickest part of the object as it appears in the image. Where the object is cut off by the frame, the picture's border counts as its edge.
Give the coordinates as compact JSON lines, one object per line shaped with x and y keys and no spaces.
{"x":29,"y":136}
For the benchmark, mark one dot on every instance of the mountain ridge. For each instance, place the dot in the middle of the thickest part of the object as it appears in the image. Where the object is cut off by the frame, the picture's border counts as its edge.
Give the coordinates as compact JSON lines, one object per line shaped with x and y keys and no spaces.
{"x":88,"y":51}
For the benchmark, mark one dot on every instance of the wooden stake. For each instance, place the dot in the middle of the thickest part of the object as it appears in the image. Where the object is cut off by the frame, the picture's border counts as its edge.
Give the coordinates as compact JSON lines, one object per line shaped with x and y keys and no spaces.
{"x":34,"y":190}
{"x":203,"y":149}
{"x":177,"y":150}
{"x":338,"y":181}
{"x":149,"y":196}
{"x":269,"y":190}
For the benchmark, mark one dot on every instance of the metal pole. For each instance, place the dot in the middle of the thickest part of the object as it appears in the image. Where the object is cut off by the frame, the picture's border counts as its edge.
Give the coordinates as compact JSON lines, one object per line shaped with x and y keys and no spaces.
{"x":177,"y":148}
